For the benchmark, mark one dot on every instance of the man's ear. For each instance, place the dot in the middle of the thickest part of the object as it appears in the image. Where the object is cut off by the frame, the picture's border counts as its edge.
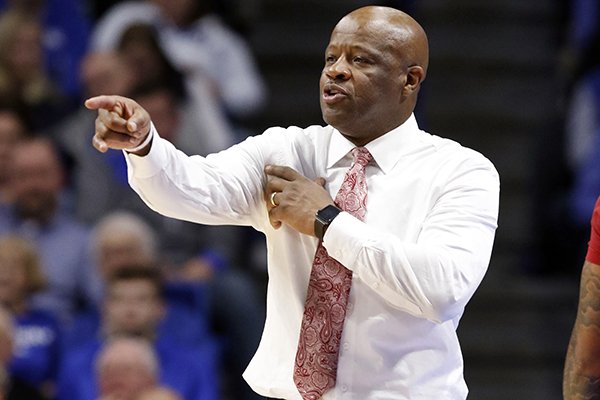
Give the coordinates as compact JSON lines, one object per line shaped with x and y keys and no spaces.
{"x":414,"y":76}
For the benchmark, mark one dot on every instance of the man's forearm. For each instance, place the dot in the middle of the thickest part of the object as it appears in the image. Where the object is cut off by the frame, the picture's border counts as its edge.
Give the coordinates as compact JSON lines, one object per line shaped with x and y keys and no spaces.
{"x":579,"y":387}
{"x":582,"y":366}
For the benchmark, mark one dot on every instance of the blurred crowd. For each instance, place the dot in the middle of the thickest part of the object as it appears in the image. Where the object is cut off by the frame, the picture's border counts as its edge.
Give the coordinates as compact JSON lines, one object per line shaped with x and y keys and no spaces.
{"x":100,"y":297}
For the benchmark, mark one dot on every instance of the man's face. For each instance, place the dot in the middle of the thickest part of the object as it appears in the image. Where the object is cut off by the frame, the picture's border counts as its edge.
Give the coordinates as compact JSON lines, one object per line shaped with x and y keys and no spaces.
{"x":25,"y":54}
{"x":123,"y":374}
{"x":132,"y":307}
{"x":106,"y":73}
{"x":361,"y":82}
{"x":118,"y":250}
{"x":165,"y":114}
{"x":36,"y":180}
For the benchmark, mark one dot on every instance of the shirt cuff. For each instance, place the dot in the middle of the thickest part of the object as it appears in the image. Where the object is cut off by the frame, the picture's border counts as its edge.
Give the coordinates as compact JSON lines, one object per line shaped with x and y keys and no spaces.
{"x":344,"y":238}
{"x":150,"y":164}
{"x":145,"y":142}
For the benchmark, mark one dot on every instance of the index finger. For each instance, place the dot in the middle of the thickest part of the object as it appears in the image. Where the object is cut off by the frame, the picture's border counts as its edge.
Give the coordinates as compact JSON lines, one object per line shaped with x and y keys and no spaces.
{"x":283,"y":172}
{"x":104,"y":102}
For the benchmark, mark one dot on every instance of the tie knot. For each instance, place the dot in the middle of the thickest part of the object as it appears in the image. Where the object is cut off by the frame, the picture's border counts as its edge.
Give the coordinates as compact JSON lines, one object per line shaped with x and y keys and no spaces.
{"x":361,"y":156}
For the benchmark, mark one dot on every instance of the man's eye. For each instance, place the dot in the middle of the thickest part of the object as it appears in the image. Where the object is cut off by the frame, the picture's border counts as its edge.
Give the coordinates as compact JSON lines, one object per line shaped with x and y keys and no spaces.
{"x":359,"y":60}
{"x":330,"y":59}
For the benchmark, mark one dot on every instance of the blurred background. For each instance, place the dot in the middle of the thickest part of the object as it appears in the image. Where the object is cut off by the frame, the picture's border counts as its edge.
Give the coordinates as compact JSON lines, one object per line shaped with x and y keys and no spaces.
{"x":517,"y":80}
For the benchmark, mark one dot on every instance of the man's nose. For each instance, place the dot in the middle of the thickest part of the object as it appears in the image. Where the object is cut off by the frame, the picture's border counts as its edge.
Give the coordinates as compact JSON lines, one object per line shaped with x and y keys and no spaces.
{"x":339,"y":70}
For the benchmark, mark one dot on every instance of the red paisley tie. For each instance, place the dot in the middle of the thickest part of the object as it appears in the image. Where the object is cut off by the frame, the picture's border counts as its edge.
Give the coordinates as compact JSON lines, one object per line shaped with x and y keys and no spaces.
{"x":328,"y":290}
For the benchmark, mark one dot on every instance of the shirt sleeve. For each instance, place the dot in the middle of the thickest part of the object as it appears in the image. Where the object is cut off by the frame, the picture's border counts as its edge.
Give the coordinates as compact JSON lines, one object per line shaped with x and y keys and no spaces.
{"x":593,"y":253}
{"x":435,"y":276}
{"x":222,"y":188}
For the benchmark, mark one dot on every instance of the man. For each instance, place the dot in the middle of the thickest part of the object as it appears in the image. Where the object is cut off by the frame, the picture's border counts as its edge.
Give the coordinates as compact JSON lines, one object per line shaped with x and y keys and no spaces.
{"x":36,"y":188}
{"x":125,"y":368}
{"x":582,"y":367}
{"x":410,"y":231}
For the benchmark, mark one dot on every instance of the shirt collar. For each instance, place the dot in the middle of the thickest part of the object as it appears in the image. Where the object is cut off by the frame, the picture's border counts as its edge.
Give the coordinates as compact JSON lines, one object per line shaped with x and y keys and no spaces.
{"x":401,"y":139}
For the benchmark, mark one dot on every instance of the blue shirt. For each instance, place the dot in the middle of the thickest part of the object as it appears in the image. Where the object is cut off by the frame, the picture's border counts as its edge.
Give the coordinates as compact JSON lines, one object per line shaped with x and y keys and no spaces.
{"x":190,"y":371}
{"x":36,"y":349}
{"x":64,"y":248}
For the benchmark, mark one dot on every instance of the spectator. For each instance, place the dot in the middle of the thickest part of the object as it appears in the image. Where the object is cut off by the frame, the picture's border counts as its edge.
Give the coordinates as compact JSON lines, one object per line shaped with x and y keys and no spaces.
{"x":140,"y":47}
{"x":36,"y":184}
{"x":120,"y":240}
{"x":11,"y":388}
{"x":199,"y":44}
{"x":133,"y":307}
{"x":36,"y":333}
{"x":126,"y":367}
{"x":100,"y":182}
{"x":65,"y":35}
{"x":93,"y":181}
{"x":159,"y":393}
{"x":23,"y":78}
{"x":193,"y":256}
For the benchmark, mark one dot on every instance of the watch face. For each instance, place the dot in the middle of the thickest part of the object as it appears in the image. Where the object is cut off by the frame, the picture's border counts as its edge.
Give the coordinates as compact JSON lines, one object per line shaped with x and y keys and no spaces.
{"x":328,"y":213}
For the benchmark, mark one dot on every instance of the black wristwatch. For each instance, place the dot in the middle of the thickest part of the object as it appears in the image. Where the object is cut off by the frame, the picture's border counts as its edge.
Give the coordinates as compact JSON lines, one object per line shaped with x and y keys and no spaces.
{"x":323,"y":218}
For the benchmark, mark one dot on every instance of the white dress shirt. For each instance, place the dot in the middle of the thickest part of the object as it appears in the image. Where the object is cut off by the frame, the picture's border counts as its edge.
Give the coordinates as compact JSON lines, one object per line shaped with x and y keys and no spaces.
{"x":417,"y":258}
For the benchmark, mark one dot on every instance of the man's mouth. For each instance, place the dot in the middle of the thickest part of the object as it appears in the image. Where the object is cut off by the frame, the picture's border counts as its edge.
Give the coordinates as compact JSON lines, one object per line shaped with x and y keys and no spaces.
{"x":333,"y":94}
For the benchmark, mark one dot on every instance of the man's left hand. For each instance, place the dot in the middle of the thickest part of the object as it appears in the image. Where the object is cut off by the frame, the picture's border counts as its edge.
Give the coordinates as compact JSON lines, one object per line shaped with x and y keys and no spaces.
{"x":297,"y":198}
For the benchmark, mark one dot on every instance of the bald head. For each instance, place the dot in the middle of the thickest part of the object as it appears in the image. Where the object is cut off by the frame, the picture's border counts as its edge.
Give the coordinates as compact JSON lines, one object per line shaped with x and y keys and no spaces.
{"x":399,"y":30}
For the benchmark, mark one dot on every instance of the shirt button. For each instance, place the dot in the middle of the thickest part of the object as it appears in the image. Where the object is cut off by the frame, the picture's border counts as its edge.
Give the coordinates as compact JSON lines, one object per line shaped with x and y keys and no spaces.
{"x":344,"y":388}
{"x":375,"y":285}
{"x":346,"y":346}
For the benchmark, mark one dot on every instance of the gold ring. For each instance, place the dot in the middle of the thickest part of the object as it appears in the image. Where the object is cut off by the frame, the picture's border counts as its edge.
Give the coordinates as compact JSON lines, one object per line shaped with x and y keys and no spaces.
{"x":273,"y":199}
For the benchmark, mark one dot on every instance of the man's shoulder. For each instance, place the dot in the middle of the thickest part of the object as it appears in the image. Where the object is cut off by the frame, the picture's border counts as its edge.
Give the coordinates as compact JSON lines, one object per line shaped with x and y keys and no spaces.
{"x":452,"y":149}
{"x":313,"y":135}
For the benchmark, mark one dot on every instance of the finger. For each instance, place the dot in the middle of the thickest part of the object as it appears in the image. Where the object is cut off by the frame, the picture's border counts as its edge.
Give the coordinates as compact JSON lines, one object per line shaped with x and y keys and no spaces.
{"x":275,"y":184}
{"x":267,"y":197}
{"x":105,"y":138}
{"x":320,"y":181}
{"x":116,"y":122}
{"x":112,"y":140}
{"x":275,"y":222}
{"x":283,"y":172}
{"x":139,"y":122}
{"x":99,"y":144}
{"x":109,"y":125}
{"x":113,"y":120}
{"x":102,"y":102}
